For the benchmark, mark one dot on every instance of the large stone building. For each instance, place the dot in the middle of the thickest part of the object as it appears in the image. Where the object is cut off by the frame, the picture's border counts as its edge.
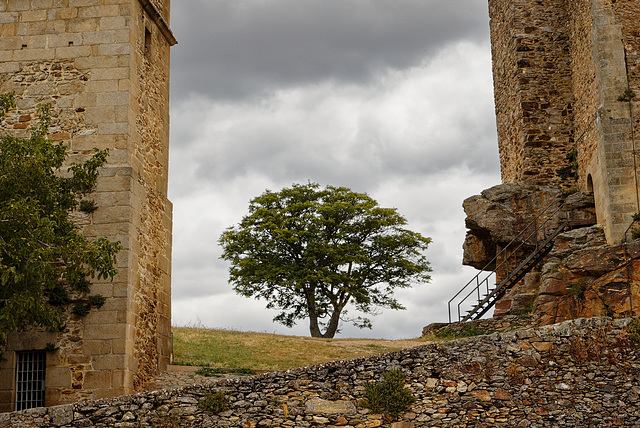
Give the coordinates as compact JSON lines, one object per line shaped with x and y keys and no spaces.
{"x":104,"y":66}
{"x":565,"y":72}
{"x":567,"y":98}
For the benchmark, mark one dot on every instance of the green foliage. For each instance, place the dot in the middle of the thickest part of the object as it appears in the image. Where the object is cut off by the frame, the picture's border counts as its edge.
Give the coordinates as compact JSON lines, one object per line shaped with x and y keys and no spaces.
{"x":51,"y":347}
{"x":218,"y":371}
{"x":97,"y":300}
{"x":389,"y":396}
{"x":608,"y":312}
{"x":213,"y":402}
{"x":211,"y":371}
{"x":87,"y":206}
{"x":636,"y":217}
{"x":310,"y":251}
{"x":467,"y":331}
{"x":633,"y":330}
{"x":46,"y":263}
{"x":571,"y":169}
{"x":526,"y":310}
{"x":7,"y":102}
{"x":627,"y":95}
{"x":577,"y":289}
{"x":81,"y":309}
{"x":635,"y":233}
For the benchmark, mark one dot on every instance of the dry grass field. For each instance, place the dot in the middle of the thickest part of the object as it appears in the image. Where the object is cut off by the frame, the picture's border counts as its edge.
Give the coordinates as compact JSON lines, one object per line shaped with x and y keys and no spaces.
{"x":263,"y":351}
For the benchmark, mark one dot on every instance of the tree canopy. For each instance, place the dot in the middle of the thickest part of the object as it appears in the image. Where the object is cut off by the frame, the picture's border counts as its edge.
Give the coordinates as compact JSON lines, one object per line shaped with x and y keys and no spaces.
{"x":309,"y":252}
{"x":46,"y":263}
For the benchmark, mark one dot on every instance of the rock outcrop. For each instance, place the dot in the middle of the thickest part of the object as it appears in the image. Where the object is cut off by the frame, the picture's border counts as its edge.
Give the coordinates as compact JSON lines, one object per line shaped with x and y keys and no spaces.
{"x":581,"y":276}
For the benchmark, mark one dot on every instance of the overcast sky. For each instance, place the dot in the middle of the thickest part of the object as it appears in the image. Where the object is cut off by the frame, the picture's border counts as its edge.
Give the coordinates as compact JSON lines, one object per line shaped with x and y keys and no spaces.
{"x":388,"y":97}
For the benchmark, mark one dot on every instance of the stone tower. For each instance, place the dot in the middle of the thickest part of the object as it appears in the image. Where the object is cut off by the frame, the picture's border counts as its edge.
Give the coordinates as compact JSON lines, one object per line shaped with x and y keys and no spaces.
{"x":104,"y":66}
{"x":565,"y":72}
{"x":567,"y":97}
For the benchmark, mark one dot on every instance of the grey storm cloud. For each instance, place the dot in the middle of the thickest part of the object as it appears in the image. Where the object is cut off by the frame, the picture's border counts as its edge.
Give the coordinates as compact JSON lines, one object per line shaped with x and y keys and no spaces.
{"x":231,"y":49}
{"x":388,"y":97}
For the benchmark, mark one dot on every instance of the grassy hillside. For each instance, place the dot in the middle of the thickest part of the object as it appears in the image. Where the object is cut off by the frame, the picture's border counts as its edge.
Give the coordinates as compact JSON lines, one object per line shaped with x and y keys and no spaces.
{"x":263,"y":351}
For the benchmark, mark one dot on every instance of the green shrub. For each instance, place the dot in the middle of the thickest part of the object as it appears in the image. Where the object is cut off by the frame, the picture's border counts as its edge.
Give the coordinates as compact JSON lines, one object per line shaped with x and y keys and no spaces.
{"x":389,"y":396}
{"x":217,"y":371}
{"x":97,"y":300}
{"x":80,"y":309}
{"x":635,"y":233}
{"x":467,"y":331}
{"x":88,"y":206}
{"x":571,"y":169}
{"x":633,"y":330}
{"x":210,"y":371}
{"x":627,"y":95}
{"x":213,"y":402}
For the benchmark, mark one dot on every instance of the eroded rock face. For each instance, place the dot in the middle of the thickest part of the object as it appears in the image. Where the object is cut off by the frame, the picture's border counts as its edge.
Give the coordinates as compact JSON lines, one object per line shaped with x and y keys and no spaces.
{"x":498,"y":215}
{"x":587,"y":278}
{"x":582,"y":276}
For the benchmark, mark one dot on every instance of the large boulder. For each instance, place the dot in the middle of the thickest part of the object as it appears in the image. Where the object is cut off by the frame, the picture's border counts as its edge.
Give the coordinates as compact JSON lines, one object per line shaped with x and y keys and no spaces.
{"x":503,"y":213}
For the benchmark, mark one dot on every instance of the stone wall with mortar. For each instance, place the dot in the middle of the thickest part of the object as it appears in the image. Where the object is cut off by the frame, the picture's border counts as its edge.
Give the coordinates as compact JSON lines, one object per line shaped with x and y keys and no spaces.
{"x":532,"y":87}
{"x":104,"y":67}
{"x":626,"y":15}
{"x":586,"y":105}
{"x":582,"y":373}
{"x":614,"y":169}
{"x":559,"y":68}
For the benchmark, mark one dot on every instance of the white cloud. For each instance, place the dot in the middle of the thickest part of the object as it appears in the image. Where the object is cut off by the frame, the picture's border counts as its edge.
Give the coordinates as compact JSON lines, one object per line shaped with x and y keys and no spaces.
{"x":419,"y":138}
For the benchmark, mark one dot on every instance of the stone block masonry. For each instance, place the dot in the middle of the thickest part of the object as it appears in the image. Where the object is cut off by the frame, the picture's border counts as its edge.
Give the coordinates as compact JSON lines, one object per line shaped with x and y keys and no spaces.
{"x":567,"y":97}
{"x":103,"y":65}
{"x":561,"y":69}
{"x":581,"y":373}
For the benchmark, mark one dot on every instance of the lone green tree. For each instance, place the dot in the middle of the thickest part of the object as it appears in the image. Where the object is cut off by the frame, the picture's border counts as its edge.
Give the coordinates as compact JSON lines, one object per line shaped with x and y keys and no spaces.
{"x":46,"y":263}
{"x":309,"y":252}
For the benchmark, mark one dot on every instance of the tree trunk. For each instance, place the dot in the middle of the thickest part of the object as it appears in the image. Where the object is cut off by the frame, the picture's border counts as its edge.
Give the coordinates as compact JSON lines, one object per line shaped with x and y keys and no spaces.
{"x":314,"y":327}
{"x":334,"y":323}
{"x":332,"y":328}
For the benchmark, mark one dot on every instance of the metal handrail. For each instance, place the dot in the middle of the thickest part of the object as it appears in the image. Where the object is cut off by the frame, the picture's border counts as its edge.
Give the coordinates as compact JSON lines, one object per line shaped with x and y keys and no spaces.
{"x":522,"y":243}
{"x":493,"y":295}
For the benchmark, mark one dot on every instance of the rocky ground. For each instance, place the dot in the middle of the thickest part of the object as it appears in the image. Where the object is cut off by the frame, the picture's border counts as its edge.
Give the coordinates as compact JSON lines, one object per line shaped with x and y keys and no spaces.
{"x":178,"y":376}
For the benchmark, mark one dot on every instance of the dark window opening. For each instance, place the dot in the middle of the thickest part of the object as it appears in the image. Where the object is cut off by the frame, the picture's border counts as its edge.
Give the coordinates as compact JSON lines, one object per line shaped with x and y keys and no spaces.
{"x":589,"y":185}
{"x":30,"y":374}
{"x":147,"y":41}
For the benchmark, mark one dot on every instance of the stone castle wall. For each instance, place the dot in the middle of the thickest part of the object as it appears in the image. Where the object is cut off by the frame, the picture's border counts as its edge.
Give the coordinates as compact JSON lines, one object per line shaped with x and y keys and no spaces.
{"x":533,"y":93}
{"x":582,"y":373}
{"x":104,"y":67}
{"x":559,"y":69}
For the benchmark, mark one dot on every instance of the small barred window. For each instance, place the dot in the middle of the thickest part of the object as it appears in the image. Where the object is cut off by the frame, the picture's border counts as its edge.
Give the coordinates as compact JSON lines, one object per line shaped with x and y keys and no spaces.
{"x":30,"y":374}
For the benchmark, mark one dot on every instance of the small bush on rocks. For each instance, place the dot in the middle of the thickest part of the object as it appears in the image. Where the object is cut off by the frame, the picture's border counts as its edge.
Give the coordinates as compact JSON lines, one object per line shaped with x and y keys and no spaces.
{"x":633,"y":330}
{"x":389,"y":396}
{"x":214,"y":402}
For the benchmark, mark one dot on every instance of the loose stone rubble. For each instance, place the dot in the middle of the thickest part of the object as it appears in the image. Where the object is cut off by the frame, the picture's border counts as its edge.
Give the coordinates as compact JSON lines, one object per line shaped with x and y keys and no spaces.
{"x":579,"y":373}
